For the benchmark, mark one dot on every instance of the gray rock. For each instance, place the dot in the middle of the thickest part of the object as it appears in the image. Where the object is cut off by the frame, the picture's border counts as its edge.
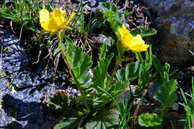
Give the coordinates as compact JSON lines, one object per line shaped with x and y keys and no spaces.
{"x":23,"y":89}
{"x":175,"y":22}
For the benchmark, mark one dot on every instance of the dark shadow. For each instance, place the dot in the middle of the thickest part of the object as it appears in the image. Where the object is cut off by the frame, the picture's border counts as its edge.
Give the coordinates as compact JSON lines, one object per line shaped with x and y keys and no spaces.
{"x":34,"y":115}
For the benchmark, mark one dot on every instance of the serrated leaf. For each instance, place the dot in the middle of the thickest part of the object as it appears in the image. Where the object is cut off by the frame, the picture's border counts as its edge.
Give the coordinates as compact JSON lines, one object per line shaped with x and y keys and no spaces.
{"x":101,"y":77}
{"x":166,"y":94}
{"x":119,"y":86}
{"x":103,"y":51}
{"x":149,"y":120}
{"x":103,"y":120}
{"x":58,"y":101}
{"x":78,"y":61}
{"x":110,"y":12}
{"x":130,"y":72}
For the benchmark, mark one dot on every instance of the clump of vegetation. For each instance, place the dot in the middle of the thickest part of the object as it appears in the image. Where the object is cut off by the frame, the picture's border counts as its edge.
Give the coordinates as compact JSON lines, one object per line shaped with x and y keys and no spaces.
{"x":22,"y":13}
{"x":122,"y":84}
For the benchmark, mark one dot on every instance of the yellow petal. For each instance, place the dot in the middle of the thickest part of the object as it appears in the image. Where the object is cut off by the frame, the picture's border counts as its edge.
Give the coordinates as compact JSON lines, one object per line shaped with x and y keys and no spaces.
{"x":68,"y":20}
{"x":55,"y":21}
{"x":44,"y":18}
{"x":130,"y":42}
{"x":125,"y":36}
{"x":52,"y":26}
{"x":71,"y":18}
{"x":125,"y":41}
{"x":138,"y":44}
{"x":58,"y":18}
{"x":123,"y":31}
{"x":57,"y":12}
{"x":139,"y":47}
{"x":137,"y":40}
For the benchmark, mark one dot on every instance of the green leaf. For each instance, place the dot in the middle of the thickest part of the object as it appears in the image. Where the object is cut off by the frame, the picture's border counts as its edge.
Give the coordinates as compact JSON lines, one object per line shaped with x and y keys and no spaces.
{"x":103,"y":119}
{"x":101,"y":76}
{"x":66,"y":123}
{"x":148,"y":59}
{"x":58,"y":101}
{"x":78,"y":61}
{"x":145,"y":31}
{"x":103,"y":51}
{"x":110,"y":12}
{"x":157,"y":64}
{"x":129,"y":73}
{"x":149,"y":120}
{"x":119,"y":86}
{"x":162,"y":70}
{"x":167,"y":67}
{"x":23,"y":13}
{"x":166,"y":94}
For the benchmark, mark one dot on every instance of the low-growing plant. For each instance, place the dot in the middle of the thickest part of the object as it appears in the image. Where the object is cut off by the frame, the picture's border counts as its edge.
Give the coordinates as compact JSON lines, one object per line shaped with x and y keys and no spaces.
{"x":188,"y":104}
{"x":102,"y":85}
{"x":106,"y":97}
{"x":22,"y":12}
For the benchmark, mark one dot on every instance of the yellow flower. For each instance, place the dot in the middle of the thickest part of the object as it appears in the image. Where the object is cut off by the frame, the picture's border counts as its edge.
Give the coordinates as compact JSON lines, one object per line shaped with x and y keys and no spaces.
{"x":130,"y":42}
{"x":54,"y":21}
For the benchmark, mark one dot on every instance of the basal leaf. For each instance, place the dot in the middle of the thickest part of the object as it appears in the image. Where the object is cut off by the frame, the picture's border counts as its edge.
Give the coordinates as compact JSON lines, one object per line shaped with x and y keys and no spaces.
{"x":149,"y":120}
{"x":101,"y":76}
{"x":157,"y":64}
{"x":58,"y":101}
{"x":65,"y":123}
{"x":104,"y":119}
{"x":78,"y":61}
{"x":166,"y":94}
{"x":130,"y":72}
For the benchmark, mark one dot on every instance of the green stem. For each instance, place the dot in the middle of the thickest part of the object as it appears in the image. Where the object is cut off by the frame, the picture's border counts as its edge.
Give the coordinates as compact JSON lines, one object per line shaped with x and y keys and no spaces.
{"x":138,"y":56}
{"x":118,"y":60}
{"x":60,"y":38}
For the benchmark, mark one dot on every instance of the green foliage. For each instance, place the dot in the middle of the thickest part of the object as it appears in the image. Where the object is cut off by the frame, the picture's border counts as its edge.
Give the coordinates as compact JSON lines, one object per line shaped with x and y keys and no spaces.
{"x":145,"y":31}
{"x":84,"y":25}
{"x":129,"y":73}
{"x":166,"y":94}
{"x":164,"y":71}
{"x":111,"y":14}
{"x":88,"y":79}
{"x":125,"y":112}
{"x":188,"y":104}
{"x":101,"y":76}
{"x":166,"y":91}
{"x":59,"y":101}
{"x":81,"y":25}
{"x":78,"y":62}
{"x":149,"y":120}
{"x":145,"y":65}
{"x":66,"y":123}
{"x":100,"y":89}
{"x":104,"y":120}
{"x":102,"y":85}
{"x":23,"y":12}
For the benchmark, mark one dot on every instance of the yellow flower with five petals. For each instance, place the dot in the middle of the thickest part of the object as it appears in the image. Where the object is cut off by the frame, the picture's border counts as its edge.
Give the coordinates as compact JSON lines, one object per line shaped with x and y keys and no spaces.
{"x":54,"y":21}
{"x":130,"y":42}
